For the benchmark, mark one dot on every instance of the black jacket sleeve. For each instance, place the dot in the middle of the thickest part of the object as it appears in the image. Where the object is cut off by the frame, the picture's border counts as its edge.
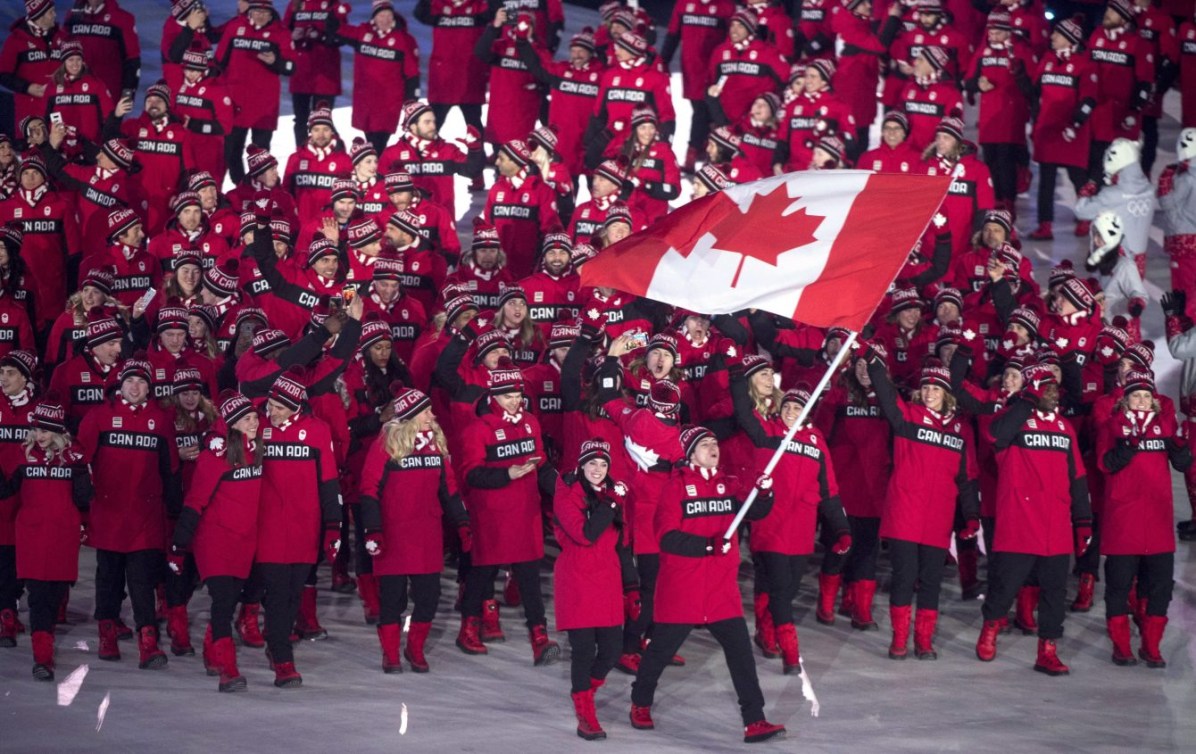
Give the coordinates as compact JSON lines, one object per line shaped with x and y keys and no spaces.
{"x":450,"y":503}
{"x":886,"y":395}
{"x":81,"y":489}
{"x":677,"y":542}
{"x":1007,"y":424}
{"x":185,"y":527}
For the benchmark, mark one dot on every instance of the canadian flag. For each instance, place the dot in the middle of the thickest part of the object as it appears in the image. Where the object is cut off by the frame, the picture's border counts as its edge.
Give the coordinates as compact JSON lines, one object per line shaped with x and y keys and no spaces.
{"x":820,"y":247}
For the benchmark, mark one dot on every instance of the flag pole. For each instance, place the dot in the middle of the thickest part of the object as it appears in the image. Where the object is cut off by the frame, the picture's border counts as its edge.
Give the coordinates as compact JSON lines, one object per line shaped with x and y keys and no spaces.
{"x":805,"y":412}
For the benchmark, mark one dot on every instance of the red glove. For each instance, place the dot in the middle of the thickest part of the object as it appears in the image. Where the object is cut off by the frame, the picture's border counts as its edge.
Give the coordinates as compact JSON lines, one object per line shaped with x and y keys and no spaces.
{"x":465,"y":534}
{"x":262,"y":202}
{"x":176,"y":560}
{"x":718,"y":546}
{"x":1089,"y":189}
{"x":84,"y":528}
{"x":1136,"y":307}
{"x":1167,"y":181}
{"x":593,"y":317}
{"x":970,"y":529}
{"x":1083,"y":538}
{"x":842,"y":544}
{"x":730,"y":350}
{"x":473,"y":138}
{"x":332,"y":543}
{"x":374,"y":543}
{"x":632,"y":606}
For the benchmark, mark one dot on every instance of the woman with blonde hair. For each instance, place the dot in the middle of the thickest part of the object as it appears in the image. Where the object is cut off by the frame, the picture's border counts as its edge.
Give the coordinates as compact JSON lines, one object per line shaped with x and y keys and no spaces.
{"x":407,"y":485}
{"x":50,"y":525}
{"x":70,"y":328}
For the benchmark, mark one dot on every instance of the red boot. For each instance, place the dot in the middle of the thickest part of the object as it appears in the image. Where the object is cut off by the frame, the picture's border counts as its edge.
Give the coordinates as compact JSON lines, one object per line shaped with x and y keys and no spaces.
{"x":641,"y":717}
{"x":123,"y":632}
{"x":587,"y":717}
{"x":1119,"y":632}
{"x":969,"y":582}
{"x":790,"y":654}
{"x":1083,"y":228}
{"x":468,"y":639}
{"x":828,"y":589}
{"x":899,"y":617}
{"x":8,"y":628}
{"x":371,"y":601}
{"x":861,"y":617}
{"x":225,"y":653}
{"x":986,"y":645}
{"x":847,"y":599}
{"x":677,"y":661}
{"x":761,"y":730}
{"x":510,"y":592}
{"x":389,"y":636}
{"x":307,"y":625}
{"x":629,"y":663}
{"x":1042,"y":232}
{"x":109,"y":649}
{"x":1027,"y":603}
{"x":247,"y":625}
{"x":766,"y":634}
{"x":545,"y":651}
{"x":286,"y":677}
{"x":342,"y":582}
{"x":417,"y":635}
{"x":491,"y":623}
{"x":924,"y":623}
{"x":179,"y":631}
{"x":1048,"y":662}
{"x":210,"y":666}
{"x":43,"y":655}
{"x":152,"y":658}
{"x":1152,"y":635}
{"x":1083,"y":601}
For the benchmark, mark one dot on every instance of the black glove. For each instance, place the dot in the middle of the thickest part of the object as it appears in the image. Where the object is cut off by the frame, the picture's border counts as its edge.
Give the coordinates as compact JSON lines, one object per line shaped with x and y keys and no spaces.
{"x":1174,"y":303}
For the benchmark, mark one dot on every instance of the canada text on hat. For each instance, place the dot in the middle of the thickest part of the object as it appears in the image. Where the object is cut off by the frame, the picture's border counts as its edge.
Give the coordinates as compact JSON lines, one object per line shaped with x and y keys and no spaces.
{"x":664,"y":397}
{"x":936,"y":376}
{"x":632,"y":42}
{"x":101,"y":329}
{"x":613,"y":171}
{"x":1027,"y":318}
{"x":24,"y":362}
{"x":714,"y":178}
{"x":119,"y":152}
{"x":409,"y":403}
{"x":387,"y":267}
{"x":691,"y":436}
{"x":121,"y":220}
{"x":458,"y":305}
{"x":406,"y":221}
{"x":187,"y":378}
{"x":753,"y":363}
{"x":267,"y":340}
{"x":222,"y":278}
{"x":172,"y":316}
{"x":593,"y":450}
{"x":373,"y":331}
{"x":517,"y":151}
{"x":489,"y":341}
{"x":320,"y":248}
{"x":343,"y":188}
{"x":412,"y":109}
{"x":49,"y":415}
{"x":259,"y":160}
{"x":360,"y":150}
{"x":545,"y":136}
{"x":399,"y":180}
{"x":289,"y":391}
{"x":363,"y":233}
{"x":136,"y":367}
{"x":563,"y":334}
{"x":906,"y":298}
{"x":233,"y":407}
{"x":505,"y":380}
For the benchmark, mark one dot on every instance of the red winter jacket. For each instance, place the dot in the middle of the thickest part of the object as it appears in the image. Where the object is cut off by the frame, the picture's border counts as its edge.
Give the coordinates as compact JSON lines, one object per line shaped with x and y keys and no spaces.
{"x":225,"y":499}
{"x":1004,"y":111}
{"x":16,"y":332}
{"x":163,"y":151}
{"x":82,"y":103}
{"x":859,"y":59}
{"x":455,"y":75}
{"x":885,"y":159}
{"x":1067,"y":92}
{"x":135,"y":271}
{"x":1125,"y":70}
{"x":925,"y":107}
{"x":1187,"y":72}
{"x":523,"y":209}
{"x":255,"y":86}
{"x":206,"y":109}
{"x":697,"y":586}
{"x":135,"y":464}
{"x":1041,"y":489}
{"x":25,"y":59}
{"x":14,"y":428}
{"x":698,"y":27}
{"x":571,"y":101}
{"x":309,"y":176}
{"x":406,"y":499}
{"x":859,"y":440}
{"x":587,"y":577}
{"x":934,"y":464}
{"x":317,"y":63}
{"x":433,"y":165}
{"x":746,"y":73}
{"x":381,"y":63}
{"x":908,"y":47}
{"x":970,"y":193}
{"x":300,"y":493}
{"x":511,"y":83}
{"x":50,"y":235}
{"x":800,"y":120}
{"x":83,"y":384}
{"x":623,"y":88}
{"x":110,"y":44}
{"x":53,"y":493}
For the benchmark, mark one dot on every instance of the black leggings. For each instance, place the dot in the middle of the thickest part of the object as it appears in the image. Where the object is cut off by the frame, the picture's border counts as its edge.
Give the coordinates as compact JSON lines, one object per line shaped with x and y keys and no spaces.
{"x":648,"y":567}
{"x":480,"y":583}
{"x":471,"y":113}
{"x":141,"y":571}
{"x":699,"y":129}
{"x":224,"y":592}
{"x":1002,"y":161}
{"x":593,"y":652}
{"x":378,"y":140}
{"x":732,"y":635}
{"x":1048,"y":174}
{"x":780,"y":576}
{"x":283,"y":584}
{"x":425,"y":593}
{"x":860,"y":562}
{"x":919,"y":564}
{"x":302,"y":105}
{"x":10,"y":590}
{"x":44,"y":599}
{"x":1150,"y":143}
{"x":234,"y":149}
{"x":1155,"y":582}
{"x":1010,"y":570}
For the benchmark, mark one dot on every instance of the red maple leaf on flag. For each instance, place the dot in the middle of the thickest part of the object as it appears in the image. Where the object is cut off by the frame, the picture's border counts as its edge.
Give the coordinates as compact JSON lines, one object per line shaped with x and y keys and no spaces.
{"x":763,"y":231}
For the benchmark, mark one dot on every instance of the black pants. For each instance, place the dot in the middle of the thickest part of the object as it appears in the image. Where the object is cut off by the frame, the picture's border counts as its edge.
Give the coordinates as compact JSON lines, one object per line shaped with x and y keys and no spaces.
{"x":860,"y":562}
{"x":425,"y":593}
{"x":181,"y":586}
{"x":1089,"y":562}
{"x":283,"y":584}
{"x":363,"y":562}
{"x":1155,"y":582}
{"x":1011,"y":570}
{"x":303,"y":104}
{"x":648,"y":567}
{"x":234,"y":148}
{"x":593,"y":652}
{"x":141,"y":571}
{"x":1002,"y":161}
{"x":989,"y":531}
{"x":1150,"y":143}
{"x":471,"y":113}
{"x":782,"y":575}
{"x":1048,"y":174}
{"x":699,"y":129}
{"x":480,"y":583}
{"x":44,"y":599}
{"x":224,"y":592}
{"x":378,"y":140}
{"x":9,"y":589}
{"x":732,"y":635}
{"x":914,"y":563}
{"x":251,"y":591}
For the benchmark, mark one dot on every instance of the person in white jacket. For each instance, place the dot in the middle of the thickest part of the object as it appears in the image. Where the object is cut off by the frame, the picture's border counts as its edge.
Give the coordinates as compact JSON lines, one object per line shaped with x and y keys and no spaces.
{"x":1181,"y":341}
{"x":1128,"y":192}
{"x":1124,"y":293}
{"x":1177,"y":198}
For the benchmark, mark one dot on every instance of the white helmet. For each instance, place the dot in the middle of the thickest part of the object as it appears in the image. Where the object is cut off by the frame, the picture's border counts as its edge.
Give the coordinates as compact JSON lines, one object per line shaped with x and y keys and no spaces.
{"x":1121,"y":154}
{"x":1185,"y":146}
{"x":1107,"y":232}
